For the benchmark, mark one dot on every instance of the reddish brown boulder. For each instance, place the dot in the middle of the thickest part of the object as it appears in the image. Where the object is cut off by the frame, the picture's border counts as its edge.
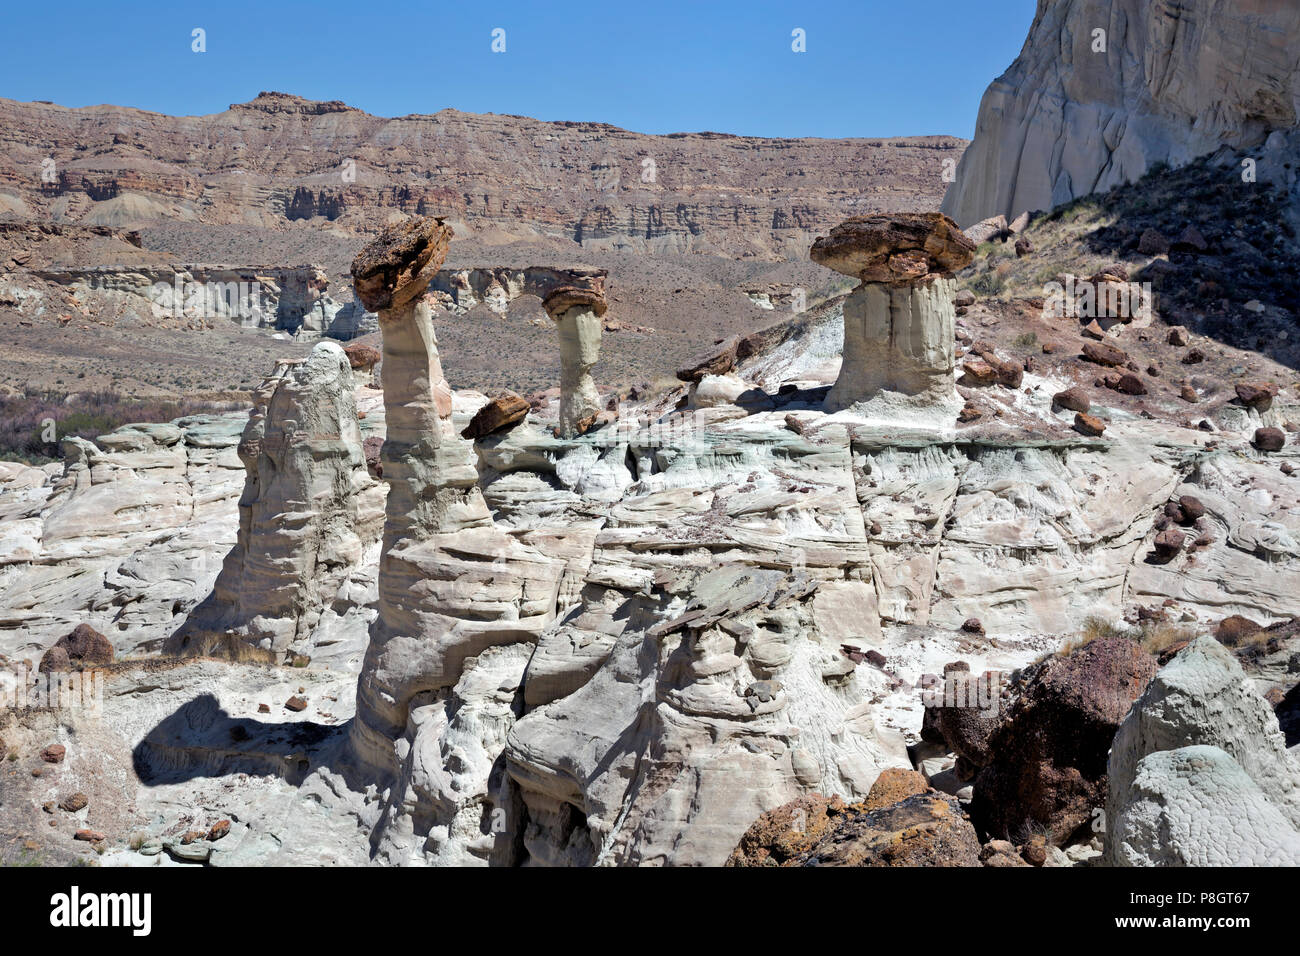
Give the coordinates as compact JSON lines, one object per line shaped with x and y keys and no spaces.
{"x":1103,"y":353}
{"x":892,"y":786}
{"x":89,"y":836}
{"x":978,"y":374}
{"x":927,"y":829}
{"x":1074,"y":399}
{"x":1089,"y":425}
{"x":219,"y":829}
{"x":563,"y":298}
{"x":1269,"y":439}
{"x":74,"y":802}
{"x":1188,"y":394}
{"x":362,"y":356}
{"x":1194,"y":357}
{"x":295,"y":704}
{"x":1130,"y":384}
{"x":83,"y":646}
{"x":503,"y":412}
{"x":1234,"y":629}
{"x":373,"y":448}
{"x":1000,"y":853}
{"x":1193,"y":508}
{"x":1256,"y":395}
{"x":1177,"y":336}
{"x":779,"y":836}
{"x":1047,"y":770}
{"x":1168,"y":544}
{"x":718,"y":361}
{"x":54,"y":753}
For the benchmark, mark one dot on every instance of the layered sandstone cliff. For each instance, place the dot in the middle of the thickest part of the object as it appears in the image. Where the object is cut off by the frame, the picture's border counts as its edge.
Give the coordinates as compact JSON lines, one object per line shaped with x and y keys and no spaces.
{"x":1105,"y":89}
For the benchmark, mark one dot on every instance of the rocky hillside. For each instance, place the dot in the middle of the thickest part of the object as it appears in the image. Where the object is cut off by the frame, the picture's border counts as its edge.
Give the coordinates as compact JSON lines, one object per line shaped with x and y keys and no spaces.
{"x":280,"y":159}
{"x":1105,"y":89}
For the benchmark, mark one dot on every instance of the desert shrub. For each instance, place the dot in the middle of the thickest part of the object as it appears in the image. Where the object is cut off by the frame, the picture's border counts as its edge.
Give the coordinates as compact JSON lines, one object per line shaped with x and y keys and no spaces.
{"x":987,"y":284}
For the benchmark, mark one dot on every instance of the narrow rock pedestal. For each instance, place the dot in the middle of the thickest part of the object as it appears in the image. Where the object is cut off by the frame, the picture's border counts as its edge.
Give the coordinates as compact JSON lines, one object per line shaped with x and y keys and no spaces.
{"x":451,"y":584}
{"x":577,"y":311}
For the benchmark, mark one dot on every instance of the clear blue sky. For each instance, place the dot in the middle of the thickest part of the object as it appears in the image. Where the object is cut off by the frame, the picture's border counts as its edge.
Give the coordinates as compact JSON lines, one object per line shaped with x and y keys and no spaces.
{"x":872,"y":67}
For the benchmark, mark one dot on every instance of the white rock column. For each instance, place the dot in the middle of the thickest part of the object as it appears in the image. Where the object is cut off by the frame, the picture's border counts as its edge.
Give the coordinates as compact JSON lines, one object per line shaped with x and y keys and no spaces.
{"x":897,"y":338}
{"x":577,"y":312}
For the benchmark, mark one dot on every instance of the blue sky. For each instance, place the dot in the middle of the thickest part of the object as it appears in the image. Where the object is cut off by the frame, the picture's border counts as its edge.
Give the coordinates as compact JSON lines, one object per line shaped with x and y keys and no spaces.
{"x":871,"y":68}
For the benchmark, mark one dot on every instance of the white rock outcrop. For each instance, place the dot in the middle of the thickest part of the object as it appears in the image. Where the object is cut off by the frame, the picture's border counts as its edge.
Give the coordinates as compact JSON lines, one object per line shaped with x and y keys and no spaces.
{"x":309,"y":513}
{"x":1105,"y":89}
{"x":1199,"y":772}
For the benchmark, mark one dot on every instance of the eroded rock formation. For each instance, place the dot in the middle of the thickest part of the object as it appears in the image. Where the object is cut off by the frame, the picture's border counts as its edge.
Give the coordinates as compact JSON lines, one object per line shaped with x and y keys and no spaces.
{"x":451,"y":586}
{"x":576,"y":310}
{"x":307,"y":516}
{"x":1199,"y":771}
{"x":899,"y":323}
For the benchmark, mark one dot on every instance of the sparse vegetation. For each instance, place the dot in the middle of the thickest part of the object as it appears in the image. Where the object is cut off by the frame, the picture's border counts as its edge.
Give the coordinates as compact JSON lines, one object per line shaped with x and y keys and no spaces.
{"x":24,"y":420}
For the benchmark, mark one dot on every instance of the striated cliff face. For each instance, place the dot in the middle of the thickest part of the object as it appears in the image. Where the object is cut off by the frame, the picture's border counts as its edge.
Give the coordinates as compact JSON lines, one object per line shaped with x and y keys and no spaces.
{"x":1164,"y":81}
{"x":280,"y":158}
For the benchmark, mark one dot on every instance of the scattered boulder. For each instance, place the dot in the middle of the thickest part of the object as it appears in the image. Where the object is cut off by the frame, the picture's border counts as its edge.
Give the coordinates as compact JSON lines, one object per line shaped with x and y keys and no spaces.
{"x":1047,"y":767}
{"x":1188,"y":394}
{"x":1089,"y":425}
{"x":1177,"y":336}
{"x":1194,"y":357}
{"x":1103,"y":353}
{"x":295,"y":704}
{"x":1256,"y":395}
{"x":82,"y":647}
{"x":1234,"y":629}
{"x":89,"y":836}
{"x":1168,"y":544}
{"x":1269,"y":439}
{"x":54,"y":753}
{"x":219,"y":829}
{"x":362,"y":357}
{"x":74,"y":802}
{"x":1153,"y":243}
{"x":926,"y":829}
{"x":778,"y":837}
{"x":1074,"y":399}
{"x":1192,"y":507}
{"x":1001,"y":853}
{"x":1130,"y":384}
{"x":501,"y":413}
{"x":892,"y":786}
{"x":1190,"y":240}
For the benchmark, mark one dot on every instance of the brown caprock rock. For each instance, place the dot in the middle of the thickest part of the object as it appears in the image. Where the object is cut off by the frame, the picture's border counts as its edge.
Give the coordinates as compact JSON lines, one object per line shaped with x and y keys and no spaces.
{"x":398,"y":266}
{"x":899,"y":323}
{"x":500,"y":413}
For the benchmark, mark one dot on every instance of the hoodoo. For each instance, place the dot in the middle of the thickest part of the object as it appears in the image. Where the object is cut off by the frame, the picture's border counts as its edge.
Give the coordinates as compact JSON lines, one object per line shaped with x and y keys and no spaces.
{"x":576,"y":310}
{"x":899,"y":323}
